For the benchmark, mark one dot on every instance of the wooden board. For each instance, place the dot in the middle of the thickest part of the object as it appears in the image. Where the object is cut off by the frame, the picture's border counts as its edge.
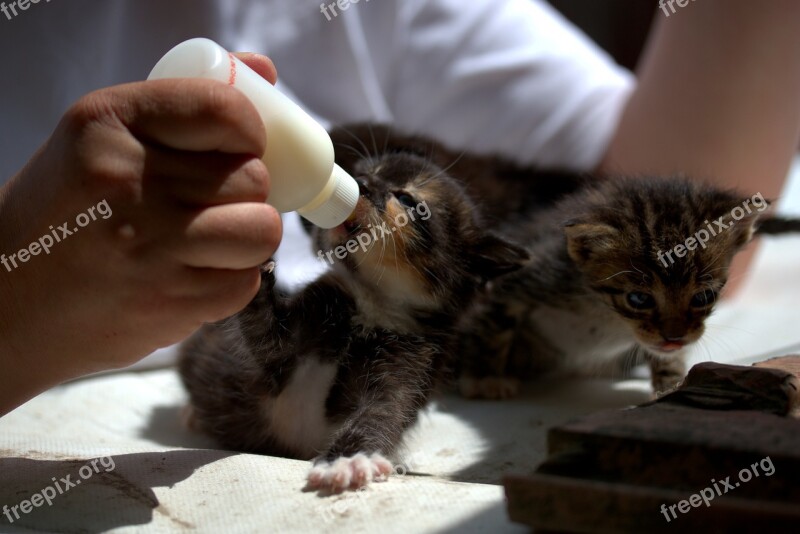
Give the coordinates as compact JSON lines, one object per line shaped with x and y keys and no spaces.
{"x":621,"y":470}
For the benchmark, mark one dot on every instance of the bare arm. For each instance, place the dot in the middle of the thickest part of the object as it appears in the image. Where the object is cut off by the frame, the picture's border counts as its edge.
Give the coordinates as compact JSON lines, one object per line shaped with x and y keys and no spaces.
{"x":718,"y":97}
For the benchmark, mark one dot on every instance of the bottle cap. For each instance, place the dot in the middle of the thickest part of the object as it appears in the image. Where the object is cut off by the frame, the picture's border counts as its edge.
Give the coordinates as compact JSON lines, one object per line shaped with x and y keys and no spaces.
{"x":336,"y":202}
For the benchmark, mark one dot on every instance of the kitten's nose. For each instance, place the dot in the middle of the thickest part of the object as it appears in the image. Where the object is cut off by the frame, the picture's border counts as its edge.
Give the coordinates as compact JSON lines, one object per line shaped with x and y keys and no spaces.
{"x":673,"y":330}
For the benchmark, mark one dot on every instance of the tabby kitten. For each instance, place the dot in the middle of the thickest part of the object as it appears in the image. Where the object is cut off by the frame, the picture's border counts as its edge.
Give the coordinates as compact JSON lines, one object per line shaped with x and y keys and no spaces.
{"x":607,"y":279}
{"x":339,"y":370}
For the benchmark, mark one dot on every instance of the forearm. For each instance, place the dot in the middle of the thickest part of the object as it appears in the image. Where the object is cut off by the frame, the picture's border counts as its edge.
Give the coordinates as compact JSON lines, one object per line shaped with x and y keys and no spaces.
{"x":718,"y":96}
{"x":28,"y":364}
{"x":25,"y":369}
{"x":20,"y":380}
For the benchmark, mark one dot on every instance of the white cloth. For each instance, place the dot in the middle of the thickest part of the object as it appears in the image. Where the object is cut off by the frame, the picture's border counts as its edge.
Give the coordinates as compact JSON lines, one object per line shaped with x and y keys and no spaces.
{"x":507,"y":76}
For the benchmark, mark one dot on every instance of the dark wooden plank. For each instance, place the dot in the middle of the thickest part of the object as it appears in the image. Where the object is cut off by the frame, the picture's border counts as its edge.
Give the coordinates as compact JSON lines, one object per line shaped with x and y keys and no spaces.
{"x":734,"y":387}
{"x":564,"y":504}
{"x":612,"y":471}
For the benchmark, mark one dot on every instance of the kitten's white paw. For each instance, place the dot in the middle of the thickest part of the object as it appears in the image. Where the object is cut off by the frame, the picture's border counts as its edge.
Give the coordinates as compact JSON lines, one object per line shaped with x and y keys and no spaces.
{"x":490,"y":387}
{"x":349,"y":473}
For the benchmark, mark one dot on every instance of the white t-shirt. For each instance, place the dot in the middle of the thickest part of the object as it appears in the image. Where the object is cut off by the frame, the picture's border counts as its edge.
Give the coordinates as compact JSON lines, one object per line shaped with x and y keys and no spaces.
{"x":505,"y":76}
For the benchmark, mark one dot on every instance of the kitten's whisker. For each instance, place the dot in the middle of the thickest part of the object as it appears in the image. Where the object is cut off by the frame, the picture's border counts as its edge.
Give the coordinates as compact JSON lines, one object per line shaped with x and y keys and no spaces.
{"x":394,"y":248}
{"x":729,"y":327}
{"x":354,"y":150}
{"x":364,"y":146}
{"x":615,"y":275}
{"x":704,"y":347}
{"x":386,"y":141}
{"x":374,"y":219}
{"x":443,"y":171}
{"x":372,"y":136}
{"x":706,"y":341}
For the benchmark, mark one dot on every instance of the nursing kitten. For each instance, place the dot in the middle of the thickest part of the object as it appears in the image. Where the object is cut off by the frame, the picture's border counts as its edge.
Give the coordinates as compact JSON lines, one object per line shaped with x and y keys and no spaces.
{"x":607,"y":279}
{"x":339,"y":370}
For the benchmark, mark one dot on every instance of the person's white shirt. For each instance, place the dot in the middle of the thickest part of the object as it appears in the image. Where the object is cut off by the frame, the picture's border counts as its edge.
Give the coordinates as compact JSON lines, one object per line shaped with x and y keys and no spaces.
{"x":507,"y":76}
{"x":503,"y":76}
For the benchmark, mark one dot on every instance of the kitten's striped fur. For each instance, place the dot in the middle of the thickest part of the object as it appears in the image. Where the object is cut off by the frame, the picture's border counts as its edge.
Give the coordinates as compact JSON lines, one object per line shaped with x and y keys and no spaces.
{"x":598,"y":270}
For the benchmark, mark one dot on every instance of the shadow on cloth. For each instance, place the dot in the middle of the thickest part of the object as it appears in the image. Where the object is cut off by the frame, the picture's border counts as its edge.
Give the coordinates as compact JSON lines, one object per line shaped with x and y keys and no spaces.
{"x":117,"y":493}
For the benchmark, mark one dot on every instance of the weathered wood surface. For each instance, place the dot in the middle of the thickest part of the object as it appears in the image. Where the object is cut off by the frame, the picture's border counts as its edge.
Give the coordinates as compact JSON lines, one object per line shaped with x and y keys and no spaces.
{"x":611,"y":471}
{"x":734,"y":387}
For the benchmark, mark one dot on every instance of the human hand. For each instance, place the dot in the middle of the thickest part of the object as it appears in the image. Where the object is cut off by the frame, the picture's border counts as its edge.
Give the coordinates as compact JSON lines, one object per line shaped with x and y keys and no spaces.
{"x":170,"y":171}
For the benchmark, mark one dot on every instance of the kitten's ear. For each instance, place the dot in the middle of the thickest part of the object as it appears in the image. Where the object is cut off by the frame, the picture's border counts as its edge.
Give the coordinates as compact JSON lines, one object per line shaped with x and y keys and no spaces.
{"x":742,"y":220}
{"x":494,"y":256}
{"x":585,"y":240}
{"x":742,"y":230}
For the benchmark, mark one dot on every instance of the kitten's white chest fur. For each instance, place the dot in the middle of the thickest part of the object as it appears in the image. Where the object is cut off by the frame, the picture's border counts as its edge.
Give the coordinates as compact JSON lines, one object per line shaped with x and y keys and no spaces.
{"x":297,"y":416}
{"x":588,"y":336}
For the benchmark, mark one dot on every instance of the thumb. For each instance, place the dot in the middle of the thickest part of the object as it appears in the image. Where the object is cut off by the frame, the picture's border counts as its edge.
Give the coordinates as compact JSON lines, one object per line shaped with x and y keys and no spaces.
{"x":261,"y":64}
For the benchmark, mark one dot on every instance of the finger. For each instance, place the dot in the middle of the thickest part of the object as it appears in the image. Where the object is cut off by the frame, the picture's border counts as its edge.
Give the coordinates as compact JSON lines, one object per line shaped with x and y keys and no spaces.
{"x":233,"y":236}
{"x":261,"y":64}
{"x":206,"y":178}
{"x":184,"y":114}
{"x":215,"y":294}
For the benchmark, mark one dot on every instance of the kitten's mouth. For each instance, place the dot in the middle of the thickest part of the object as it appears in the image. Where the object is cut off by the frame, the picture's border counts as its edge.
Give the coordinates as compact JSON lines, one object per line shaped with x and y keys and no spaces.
{"x":670,"y":346}
{"x":353,"y":223}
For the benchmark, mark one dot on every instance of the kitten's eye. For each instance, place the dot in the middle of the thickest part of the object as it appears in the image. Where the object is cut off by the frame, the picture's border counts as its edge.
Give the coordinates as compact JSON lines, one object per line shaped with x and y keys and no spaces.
{"x":405,"y":199}
{"x":704,"y":298}
{"x":640,"y":301}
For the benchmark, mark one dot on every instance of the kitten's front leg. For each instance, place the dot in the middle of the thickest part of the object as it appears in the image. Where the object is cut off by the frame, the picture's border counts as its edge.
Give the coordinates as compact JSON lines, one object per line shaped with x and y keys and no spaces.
{"x":389,"y":401}
{"x":358,"y":453}
{"x":666,"y":372}
{"x":264,"y":322}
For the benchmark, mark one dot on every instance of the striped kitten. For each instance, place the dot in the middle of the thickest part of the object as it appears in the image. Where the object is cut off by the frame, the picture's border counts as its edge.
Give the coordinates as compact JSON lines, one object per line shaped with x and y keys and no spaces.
{"x":621,"y":266}
{"x":339,"y":370}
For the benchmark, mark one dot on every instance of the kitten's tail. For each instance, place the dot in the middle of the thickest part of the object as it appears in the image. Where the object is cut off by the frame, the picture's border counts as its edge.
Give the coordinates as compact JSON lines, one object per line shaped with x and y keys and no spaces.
{"x":778,"y":225}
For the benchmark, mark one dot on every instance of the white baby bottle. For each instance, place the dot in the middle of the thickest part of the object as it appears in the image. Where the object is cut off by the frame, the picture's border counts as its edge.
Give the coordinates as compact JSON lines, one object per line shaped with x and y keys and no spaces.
{"x":299,"y":156}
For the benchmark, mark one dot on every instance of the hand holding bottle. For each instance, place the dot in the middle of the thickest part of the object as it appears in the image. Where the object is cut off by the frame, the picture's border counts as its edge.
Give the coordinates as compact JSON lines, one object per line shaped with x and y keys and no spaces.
{"x":179,"y":164}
